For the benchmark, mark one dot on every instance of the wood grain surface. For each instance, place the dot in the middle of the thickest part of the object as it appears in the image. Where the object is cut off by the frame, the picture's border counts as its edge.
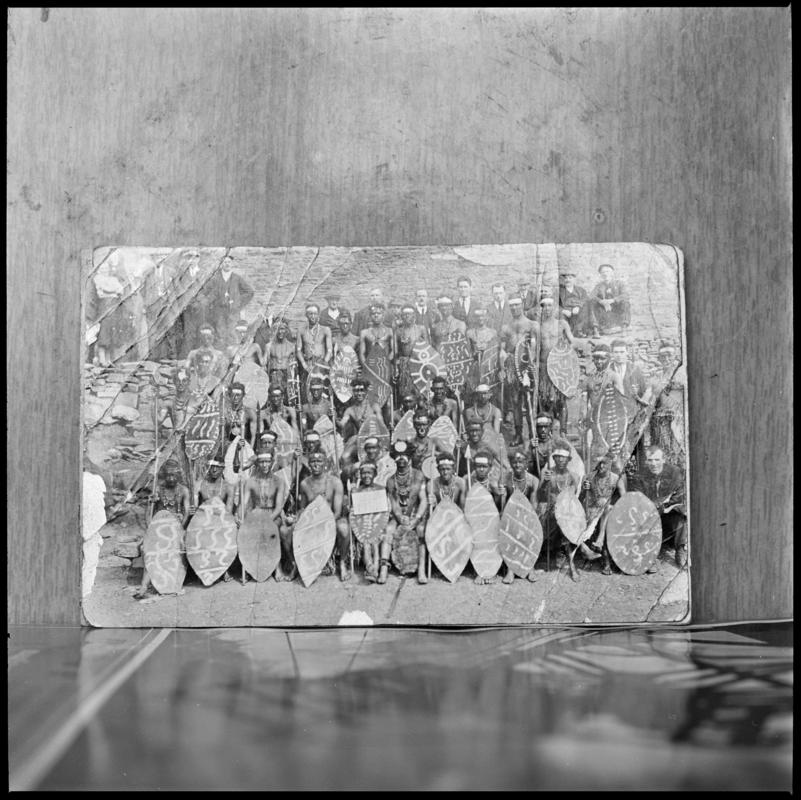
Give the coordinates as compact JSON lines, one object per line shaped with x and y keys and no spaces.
{"x":397,"y":126}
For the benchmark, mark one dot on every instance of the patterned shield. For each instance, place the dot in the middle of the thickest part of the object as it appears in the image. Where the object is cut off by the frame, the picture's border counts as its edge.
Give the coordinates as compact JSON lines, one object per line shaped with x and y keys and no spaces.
{"x":485,"y":368}
{"x":330,"y":441}
{"x":570,"y":515}
{"x":426,"y":364}
{"x":162,"y":550}
{"x":211,"y":540}
{"x":483,"y":518}
{"x":343,"y":370}
{"x":634,"y":533}
{"x":563,"y":368}
{"x":520,"y":535}
{"x":233,"y":471}
{"x":259,"y":544}
{"x":202,"y":430}
{"x":455,"y":352}
{"x":443,"y":433}
{"x":256,"y":382}
{"x":377,"y":371}
{"x":372,"y":426}
{"x":369,"y":526}
{"x":525,"y":363}
{"x":292,"y":384}
{"x":404,"y":430}
{"x":449,"y":539}
{"x":313,"y":539}
{"x":288,"y":441}
{"x":611,"y":419}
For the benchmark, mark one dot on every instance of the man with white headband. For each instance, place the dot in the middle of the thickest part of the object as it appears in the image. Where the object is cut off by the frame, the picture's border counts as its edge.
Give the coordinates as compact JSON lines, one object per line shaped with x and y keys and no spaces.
{"x":213,"y":485}
{"x":316,"y":405}
{"x":447,"y":483}
{"x":264,"y":490}
{"x":447,"y":326}
{"x":518,"y":331}
{"x":408,"y":503}
{"x":553,"y":482}
{"x":480,"y":475}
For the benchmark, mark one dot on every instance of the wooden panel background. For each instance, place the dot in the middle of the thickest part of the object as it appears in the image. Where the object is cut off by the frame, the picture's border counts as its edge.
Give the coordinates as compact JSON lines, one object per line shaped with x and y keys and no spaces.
{"x":373,"y":127}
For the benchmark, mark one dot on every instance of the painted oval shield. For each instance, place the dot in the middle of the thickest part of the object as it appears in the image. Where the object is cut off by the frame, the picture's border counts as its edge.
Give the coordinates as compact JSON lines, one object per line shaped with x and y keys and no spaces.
{"x":313,"y":539}
{"x":211,"y":540}
{"x":449,"y":539}
{"x":570,"y":515}
{"x":259,"y":544}
{"x":483,"y":518}
{"x":163,"y":552}
{"x":519,"y":535}
{"x":634,"y":533}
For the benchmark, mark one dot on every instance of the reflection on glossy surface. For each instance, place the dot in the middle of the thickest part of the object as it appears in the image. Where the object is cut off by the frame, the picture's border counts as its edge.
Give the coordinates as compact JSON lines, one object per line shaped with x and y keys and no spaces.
{"x":546,"y":708}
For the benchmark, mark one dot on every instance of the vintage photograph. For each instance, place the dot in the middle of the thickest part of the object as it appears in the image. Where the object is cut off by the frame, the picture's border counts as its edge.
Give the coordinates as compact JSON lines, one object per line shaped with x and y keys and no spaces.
{"x":438,"y":435}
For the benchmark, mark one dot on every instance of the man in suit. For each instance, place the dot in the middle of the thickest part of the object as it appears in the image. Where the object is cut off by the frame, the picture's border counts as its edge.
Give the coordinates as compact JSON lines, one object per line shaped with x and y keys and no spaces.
{"x":498,"y":313}
{"x":573,"y":302}
{"x":229,"y":293}
{"x":632,"y":379}
{"x":329,"y":316}
{"x":529,"y":298}
{"x":423,"y":314}
{"x":609,"y":307}
{"x":465,"y":306}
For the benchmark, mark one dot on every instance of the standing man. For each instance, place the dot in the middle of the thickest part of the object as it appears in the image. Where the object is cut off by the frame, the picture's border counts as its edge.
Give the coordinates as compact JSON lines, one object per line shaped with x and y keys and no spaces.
{"x":518,"y":331}
{"x":313,"y":347}
{"x":276,"y":409}
{"x":242,"y":350}
{"x":323,"y":484}
{"x":667,"y":421}
{"x":408,"y":503}
{"x":465,"y":307}
{"x":316,"y":405}
{"x":632,"y":379}
{"x":550,"y":330}
{"x":343,"y":334}
{"x":196,"y":311}
{"x":229,"y":293}
{"x":609,"y":308}
{"x":423,"y":314}
{"x":239,"y":420}
{"x":218,"y":360}
{"x":541,"y":445}
{"x":376,"y":334}
{"x":407,"y":334}
{"x":603,"y":382}
{"x":363,"y":317}
{"x":331,"y":313}
{"x":447,"y":327}
{"x":442,"y":405}
{"x":663,"y":484}
{"x":278,"y":355}
{"x":498,"y":313}
{"x":482,"y":410}
{"x":573,"y":303}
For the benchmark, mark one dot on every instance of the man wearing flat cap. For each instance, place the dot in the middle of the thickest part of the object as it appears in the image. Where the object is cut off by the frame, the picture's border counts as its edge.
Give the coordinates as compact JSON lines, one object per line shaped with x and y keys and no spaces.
{"x":573,"y":302}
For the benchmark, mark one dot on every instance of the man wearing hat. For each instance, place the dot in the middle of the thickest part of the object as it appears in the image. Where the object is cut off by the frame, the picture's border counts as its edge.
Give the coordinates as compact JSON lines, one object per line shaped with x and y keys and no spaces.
{"x":517,"y":335}
{"x":553,"y":482}
{"x":330,"y":315}
{"x":482,"y":410}
{"x":573,"y":302}
{"x":170,"y":496}
{"x":608,"y":306}
{"x":408,"y":503}
{"x":266,"y":491}
{"x":447,"y":327}
{"x":447,"y":483}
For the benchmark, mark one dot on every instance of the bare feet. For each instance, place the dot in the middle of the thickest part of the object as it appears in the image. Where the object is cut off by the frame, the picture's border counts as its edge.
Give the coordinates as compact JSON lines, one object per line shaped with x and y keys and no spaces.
{"x":484,"y":581}
{"x":227,"y":577}
{"x":344,"y":572}
{"x":421,"y":575}
{"x":383,"y":571}
{"x":535,"y":575}
{"x":509,"y":577}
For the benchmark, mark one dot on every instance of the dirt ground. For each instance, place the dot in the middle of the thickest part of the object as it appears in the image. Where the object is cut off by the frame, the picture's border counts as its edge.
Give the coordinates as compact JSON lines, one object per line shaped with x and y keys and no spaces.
{"x":555,"y":598}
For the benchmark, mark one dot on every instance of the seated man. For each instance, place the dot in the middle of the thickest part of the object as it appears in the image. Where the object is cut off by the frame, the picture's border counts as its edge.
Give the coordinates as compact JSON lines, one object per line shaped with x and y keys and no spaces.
{"x":609,"y":308}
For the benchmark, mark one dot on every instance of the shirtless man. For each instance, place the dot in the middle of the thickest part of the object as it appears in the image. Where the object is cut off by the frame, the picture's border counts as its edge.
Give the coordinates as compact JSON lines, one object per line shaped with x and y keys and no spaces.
{"x":264,"y":490}
{"x":447,"y":327}
{"x":275,"y":409}
{"x":376,"y":557}
{"x":447,"y":484}
{"x":278,"y":354}
{"x":598,"y":491}
{"x":180,"y":407}
{"x":243,"y":351}
{"x":522,"y":481}
{"x":239,"y":420}
{"x":550,"y":330}
{"x":343,"y":334}
{"x":377,"y":334}
{"x":482,"y":410}
{"x":481,"y":337}
{"x":173,"y":497}
{"x":518,"y":330}
{"x":218,"y":361}
{"x":480,"y":475}
{"x":474,"y":443}
{"x":408,"y":504}
{"x":314,"y":347}
{"x":316,"y":405}
{"x":203,"y":381}
{"x":408,"y":403}
{"x":441,"y":405}
{"x":408,"y":333}
{"x":541,"y":445}
{"x":323,"y":484}
{"x":553,"y":482}
{"x":421,"y":447}
{"x":213,"y":485}
{"x":356,"y":413}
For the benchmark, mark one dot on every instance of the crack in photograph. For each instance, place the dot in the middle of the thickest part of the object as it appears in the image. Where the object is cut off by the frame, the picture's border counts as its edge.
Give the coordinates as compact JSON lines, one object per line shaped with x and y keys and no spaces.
{"x":421,"y":436}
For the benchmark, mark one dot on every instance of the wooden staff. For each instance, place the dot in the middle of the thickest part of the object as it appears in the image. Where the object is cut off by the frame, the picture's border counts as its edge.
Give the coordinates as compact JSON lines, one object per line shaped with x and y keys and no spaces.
{"x":336,"y":467}
{"x":460,"y":430}
{"x":152,"y":502}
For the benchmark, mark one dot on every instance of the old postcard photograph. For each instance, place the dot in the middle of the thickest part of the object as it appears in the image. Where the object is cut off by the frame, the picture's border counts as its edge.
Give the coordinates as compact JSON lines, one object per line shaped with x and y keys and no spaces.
{"x":418,"y":436}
